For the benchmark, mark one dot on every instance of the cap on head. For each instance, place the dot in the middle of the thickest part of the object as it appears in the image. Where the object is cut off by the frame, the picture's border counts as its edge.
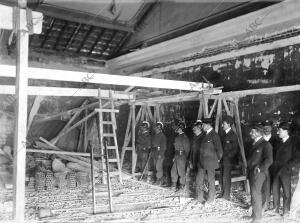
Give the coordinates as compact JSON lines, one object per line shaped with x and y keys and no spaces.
{"x":258,"y":127}
{"x":228,"y":119}
{"x":146,"y":124}
{"x":160,"y":125}
{"x":197,"y":123}
{"x":285,"y":126}
{"x":208,"y":121}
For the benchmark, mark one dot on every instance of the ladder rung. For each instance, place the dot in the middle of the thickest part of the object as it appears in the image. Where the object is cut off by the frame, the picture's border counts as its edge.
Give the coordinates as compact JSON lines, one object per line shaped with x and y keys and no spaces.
{"x":106,"y":110}
{"x":108,"y":134}
{"x":112,"y":160}
{"x":112,"y":147}
{"x":107,"y":122}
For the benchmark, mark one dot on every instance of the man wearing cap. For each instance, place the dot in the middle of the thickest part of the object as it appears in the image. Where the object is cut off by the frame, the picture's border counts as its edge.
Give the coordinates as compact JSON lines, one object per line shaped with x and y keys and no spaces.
{"x":143,"y":145}
{"x":266,"y":189}
{"x":195,"y":148}
{"x":210,"y":155}
{"x":281,"y":170}
{"x":159,"y":145}
{"x":230,"y":150}
{"x":258,"y":162}
{"x":182,"y":149}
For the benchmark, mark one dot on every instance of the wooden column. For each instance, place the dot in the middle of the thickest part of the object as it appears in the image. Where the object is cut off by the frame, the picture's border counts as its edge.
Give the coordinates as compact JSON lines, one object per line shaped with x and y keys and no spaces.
{"x":134,"y":155}
{"x":21,"y":117}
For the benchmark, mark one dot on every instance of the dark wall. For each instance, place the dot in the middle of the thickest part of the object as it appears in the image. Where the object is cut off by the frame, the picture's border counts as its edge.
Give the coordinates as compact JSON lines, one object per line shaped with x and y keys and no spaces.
{"x":280,"y":67}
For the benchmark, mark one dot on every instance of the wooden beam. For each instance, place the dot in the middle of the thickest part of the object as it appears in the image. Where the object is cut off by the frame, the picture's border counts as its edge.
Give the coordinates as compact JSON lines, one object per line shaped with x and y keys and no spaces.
{"x":21,"y":73}
{"x":7,"y":19}
{"x":269,"y":18}
{"x":68,"y":92}
{"x":271,"y":90}
{"x":81,"y":17}
{"x":34,"y":109}
{"x":223,"y":56}
{"x":176,"y":98}
{"x":57,"y":152}
{"x":99,"y":78}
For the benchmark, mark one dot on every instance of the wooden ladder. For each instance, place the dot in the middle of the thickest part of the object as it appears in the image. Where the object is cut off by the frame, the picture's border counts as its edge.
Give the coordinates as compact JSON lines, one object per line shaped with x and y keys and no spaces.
{"x":107,"y":130}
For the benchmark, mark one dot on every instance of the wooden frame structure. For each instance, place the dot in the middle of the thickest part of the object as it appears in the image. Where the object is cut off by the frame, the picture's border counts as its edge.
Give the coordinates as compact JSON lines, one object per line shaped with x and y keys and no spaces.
{"x":227,"y":102}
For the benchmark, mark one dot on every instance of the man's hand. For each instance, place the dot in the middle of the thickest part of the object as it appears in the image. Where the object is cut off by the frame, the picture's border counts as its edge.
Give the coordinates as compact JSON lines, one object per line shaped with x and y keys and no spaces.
{"x":191,"y":165}
{"x":257,"y":170}
{"x":173,"y":160}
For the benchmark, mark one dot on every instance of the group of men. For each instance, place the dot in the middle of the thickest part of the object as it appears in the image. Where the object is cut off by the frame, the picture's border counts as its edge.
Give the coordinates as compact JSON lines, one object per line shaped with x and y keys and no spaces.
{"x":269,"y":163}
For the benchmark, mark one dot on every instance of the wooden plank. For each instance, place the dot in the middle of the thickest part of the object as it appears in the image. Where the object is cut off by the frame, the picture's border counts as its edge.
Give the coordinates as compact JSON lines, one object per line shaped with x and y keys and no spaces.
{"x":190,"y":96}
{"x":80,"y":138}
{"x":106,"y":110}
{"x":68,"y":92}
{"x":219,"y":114}
{"x":100,"y":78}
{"x":21,"y":72}
{"x":134,"y":155}
{"x":34,"y":109}
{"x":7,"y":19}
{"x":57,"y":152}
{"x":239,"y":131}
{"x":195,"y":42}
{"x":213,"y":108}
{"x":226,"y":106}
{"x":85,"y":142}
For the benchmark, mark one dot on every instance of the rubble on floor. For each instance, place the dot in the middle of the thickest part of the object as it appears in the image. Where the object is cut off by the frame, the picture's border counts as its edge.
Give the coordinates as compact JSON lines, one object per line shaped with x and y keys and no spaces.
{"x":133,"y":201}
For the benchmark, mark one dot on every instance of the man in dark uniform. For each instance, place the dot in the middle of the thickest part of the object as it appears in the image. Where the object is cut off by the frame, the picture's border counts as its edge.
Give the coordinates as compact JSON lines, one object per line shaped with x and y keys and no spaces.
{"x":195,"y":148}
{"x":143,"y":146}
{"x":230,"y":150}
{"x":182,"y":149}
{"x":266,"y":189}
{"x":159,"y":145}
{"x":210,"y":155}
{"x":258,"y":162}
{"x":281,"y":170}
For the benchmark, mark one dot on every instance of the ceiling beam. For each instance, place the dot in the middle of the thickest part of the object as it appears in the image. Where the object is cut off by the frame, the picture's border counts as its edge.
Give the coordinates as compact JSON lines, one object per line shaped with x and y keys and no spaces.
{"x":222,"y":56}
{"x":270,"y":21}
{"x":99,"y":78}
{"x":81,"y":17}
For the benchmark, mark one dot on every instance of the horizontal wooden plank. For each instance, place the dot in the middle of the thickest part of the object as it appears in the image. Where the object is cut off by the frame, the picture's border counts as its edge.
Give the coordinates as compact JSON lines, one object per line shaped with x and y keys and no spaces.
{"x":106,"y":110}
{"x":71,"y":92}
{"x":57,"y":152}
{"x":7,"y":18}
{"x":99,"y":78}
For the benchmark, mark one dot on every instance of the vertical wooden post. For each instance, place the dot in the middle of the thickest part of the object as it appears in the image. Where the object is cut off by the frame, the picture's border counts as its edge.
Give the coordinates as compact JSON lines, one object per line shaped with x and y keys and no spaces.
{"x":21,"y":117}
{"x":93,"y":180}
{"x":200,"y":110}
{"x":219,"y":114}
{"x":134,"y":155}
{"x":85,"y":132}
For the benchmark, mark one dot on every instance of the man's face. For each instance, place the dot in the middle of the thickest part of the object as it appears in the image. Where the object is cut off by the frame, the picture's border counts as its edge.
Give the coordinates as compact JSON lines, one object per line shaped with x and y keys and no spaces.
{"x":282,"y":133}
{"x":205,"y":126}
{"x":196,"y":130}
{"x":225,"y":126}
{"x":253,"y":134}
{"x":157,"y":129}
